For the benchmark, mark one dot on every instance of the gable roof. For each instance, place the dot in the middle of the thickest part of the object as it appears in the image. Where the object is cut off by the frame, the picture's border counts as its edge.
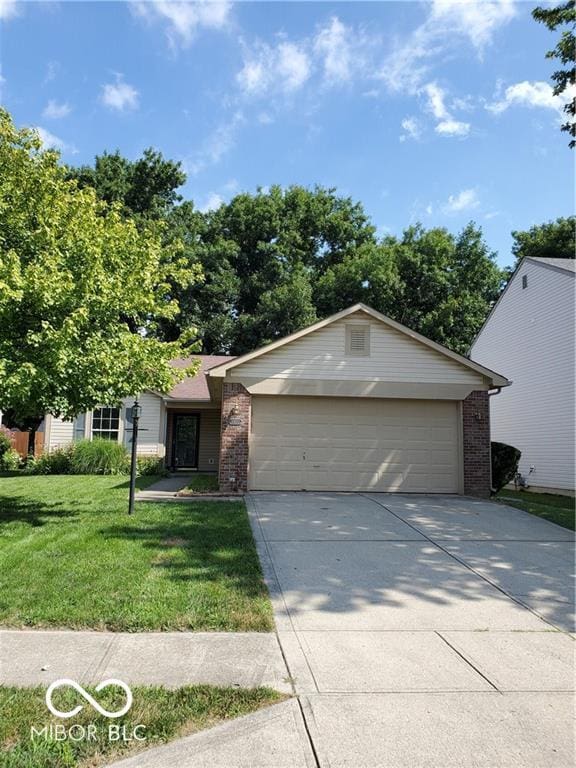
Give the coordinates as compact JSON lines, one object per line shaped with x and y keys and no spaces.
{"x":219,"y":371}
{"x":565,"y":266}
{"x":195,"y":387}
{"x":568,"y":265}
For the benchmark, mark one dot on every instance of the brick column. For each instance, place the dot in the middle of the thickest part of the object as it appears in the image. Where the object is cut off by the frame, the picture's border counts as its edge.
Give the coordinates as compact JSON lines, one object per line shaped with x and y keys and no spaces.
{"x":234,"y":432}
{"x":476,"y":429}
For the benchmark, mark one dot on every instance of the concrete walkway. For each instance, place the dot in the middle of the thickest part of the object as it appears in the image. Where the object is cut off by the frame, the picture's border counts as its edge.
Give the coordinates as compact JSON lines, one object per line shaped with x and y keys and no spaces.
{"x":171,"y":659}
{"x":420,"y":632}
{"x":423,"y":630}
{"x":167,"y":489}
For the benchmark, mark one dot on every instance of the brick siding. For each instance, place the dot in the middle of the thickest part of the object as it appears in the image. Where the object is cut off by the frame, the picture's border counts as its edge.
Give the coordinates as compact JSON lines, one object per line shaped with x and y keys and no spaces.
{"x":476,"y":429}
{"x":235,"y":429}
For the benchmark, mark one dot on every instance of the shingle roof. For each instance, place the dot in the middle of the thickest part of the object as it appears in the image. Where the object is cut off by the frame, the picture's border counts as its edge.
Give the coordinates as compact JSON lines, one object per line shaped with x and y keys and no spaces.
{"x":568,"y":264}
{"x":196,"y":387}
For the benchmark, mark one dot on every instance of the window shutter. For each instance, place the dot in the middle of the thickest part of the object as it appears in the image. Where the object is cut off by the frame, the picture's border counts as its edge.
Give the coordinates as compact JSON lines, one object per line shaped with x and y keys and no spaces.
{"x":128,"y":425}
{"x":79,"y":426}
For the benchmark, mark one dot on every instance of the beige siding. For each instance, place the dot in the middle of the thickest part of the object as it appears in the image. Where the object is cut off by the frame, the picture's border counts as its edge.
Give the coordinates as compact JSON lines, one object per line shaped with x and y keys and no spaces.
{"x":312,"y":443}
{"x":151,"y":434}
{"x":394,"y":357}
{"x":61,"y":433}
{"x":530,"y":337}
{"x":209,"y":447}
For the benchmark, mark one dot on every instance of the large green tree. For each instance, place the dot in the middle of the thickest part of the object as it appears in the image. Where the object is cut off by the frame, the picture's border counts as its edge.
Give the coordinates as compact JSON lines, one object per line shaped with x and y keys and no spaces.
{"x":261,"y":255}
{"x":80,"y":289}
{"x":276,"y":260}
{"x":145,"y":187}
{"x":563,"y":16}
{"x":554,"y":239}
{"x":436,"y":283}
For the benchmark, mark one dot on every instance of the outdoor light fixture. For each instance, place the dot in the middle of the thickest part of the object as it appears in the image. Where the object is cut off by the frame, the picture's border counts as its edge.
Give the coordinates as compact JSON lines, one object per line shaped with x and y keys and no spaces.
{"x":135,"y":412}
{"x":234,"y":411}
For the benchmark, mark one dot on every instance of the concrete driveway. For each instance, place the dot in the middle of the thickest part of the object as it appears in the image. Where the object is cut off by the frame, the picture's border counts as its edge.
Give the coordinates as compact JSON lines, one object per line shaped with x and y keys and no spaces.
{"x":422,"y":630}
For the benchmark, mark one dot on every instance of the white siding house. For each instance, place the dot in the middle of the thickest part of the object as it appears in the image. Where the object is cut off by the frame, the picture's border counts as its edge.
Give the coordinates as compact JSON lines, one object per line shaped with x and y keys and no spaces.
{"x":530,"y":335}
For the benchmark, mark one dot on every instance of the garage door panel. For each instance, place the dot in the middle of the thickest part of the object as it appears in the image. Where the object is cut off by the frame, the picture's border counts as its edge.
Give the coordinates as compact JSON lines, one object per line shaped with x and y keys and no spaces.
{"x":351,"y":444}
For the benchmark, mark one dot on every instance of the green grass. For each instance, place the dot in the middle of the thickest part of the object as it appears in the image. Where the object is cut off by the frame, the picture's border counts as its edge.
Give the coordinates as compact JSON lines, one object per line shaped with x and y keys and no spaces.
{"x":70,"y":556}
{"x":203,"y":483}
{"x":166,"y":714}
{"x":557,"y":509}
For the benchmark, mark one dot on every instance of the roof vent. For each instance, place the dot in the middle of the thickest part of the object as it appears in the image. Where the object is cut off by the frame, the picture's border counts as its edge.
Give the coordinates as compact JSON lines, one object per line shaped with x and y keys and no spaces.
{"x":358,"y":340}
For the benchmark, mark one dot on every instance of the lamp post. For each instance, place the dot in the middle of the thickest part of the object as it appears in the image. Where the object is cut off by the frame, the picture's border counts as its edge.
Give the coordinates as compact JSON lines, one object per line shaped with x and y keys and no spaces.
{"x":136,"y":413}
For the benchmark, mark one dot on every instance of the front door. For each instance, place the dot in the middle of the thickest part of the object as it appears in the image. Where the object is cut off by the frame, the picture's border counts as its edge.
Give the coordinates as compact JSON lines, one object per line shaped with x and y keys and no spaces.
{"x":185,"y":441}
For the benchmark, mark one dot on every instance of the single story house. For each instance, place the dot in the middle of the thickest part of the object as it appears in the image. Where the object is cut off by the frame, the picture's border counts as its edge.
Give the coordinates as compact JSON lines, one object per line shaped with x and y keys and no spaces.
{"x":531,"y":331}
{"x":353,"y":402}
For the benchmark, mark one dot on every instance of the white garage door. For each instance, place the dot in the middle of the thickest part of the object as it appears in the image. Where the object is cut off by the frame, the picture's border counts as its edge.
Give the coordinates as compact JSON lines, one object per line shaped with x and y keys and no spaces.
{"x":347,"y":444}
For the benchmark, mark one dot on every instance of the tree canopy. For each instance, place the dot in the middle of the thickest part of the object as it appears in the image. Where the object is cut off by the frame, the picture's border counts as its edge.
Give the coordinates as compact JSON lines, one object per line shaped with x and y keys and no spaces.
{"x":563,"y":15}
{"x":554,"y":239}
{"x":277,"y":260}
{"x":81,"y":288}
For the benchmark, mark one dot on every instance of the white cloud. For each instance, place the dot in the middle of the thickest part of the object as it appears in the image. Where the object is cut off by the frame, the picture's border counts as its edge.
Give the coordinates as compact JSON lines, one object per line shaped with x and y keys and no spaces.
{"x":293,"y":66}
{"x":9,"y":9}
{"x":50,"y":141}
{"x":411,"y":129}
{"x":52,"y":70}
{"x":447,"y":23}
{"x":463,"y":201}
{"x":436,"y":96}
{"x":213,"y":202}
{"x":184,"y":19}
{"x":120,"y":95}
{"x":218,"y":144}
{"x":55,"y":110}
{"x":528,"y":94}
{"x":333,"y":46}
{"x":475,"y":19}
{"x":452,"y":127}
{"x":436,"y":104}
{"x":336,"y":54}
{"x":285,"y":67}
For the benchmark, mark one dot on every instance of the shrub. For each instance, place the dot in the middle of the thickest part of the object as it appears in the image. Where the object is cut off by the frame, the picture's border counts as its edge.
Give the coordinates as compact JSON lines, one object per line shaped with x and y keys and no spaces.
{"x":10,"y":461}
{"x":505,"y":460}
{"x":5,"y":442}
{"x":57,"y":462}
{"x":99,"y":457}
{"x":150,"y":465}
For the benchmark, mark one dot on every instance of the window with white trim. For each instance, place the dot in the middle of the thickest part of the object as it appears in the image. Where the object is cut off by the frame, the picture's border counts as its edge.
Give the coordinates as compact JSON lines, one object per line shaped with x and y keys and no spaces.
{"x":358,"y":339}
{"x":106,"y":423}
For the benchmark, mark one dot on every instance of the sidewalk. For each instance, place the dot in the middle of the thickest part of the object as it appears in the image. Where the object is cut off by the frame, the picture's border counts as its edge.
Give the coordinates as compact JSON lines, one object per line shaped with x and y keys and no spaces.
{"x":171,"y":659}
{"x":167,"y":490}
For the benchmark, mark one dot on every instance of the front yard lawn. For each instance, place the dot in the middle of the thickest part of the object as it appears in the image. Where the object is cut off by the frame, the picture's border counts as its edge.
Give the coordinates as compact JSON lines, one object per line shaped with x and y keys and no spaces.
{"x":71,"y":557}
{"x":203,"y":483}
{"x":557,"y":509}
{"x":166,"y":714}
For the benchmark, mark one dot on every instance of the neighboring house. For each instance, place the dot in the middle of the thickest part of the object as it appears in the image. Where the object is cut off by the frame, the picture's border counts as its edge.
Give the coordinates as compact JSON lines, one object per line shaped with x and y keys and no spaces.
{"x":354,"y":402}
{"x":530,"y":333}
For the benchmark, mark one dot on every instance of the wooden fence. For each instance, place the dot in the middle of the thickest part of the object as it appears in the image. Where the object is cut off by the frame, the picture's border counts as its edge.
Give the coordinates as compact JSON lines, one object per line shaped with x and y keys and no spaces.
{"x":20,"y":442}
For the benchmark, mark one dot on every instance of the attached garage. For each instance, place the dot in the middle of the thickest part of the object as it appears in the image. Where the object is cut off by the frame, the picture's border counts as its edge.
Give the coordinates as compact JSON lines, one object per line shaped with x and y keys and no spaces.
{"x":342,"y":444}
{"x":356,"y":402}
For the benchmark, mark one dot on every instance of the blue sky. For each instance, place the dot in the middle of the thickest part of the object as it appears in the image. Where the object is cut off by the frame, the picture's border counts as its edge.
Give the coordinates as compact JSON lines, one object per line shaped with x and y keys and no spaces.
{"x":439,"y":112}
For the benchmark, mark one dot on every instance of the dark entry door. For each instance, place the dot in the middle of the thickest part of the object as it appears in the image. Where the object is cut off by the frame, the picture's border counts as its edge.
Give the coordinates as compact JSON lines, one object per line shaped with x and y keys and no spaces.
{"x":185,"y":442}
